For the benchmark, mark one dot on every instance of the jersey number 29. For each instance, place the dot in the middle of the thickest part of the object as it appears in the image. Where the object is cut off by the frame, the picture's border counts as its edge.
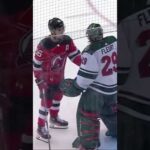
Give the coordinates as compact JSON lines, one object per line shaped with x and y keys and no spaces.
{"x":108,"y":68}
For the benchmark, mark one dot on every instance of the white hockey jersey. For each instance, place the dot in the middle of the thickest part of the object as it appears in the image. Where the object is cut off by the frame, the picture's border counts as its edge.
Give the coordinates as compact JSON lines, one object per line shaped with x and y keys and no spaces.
{"x":134,"y":59}
{"x":98,"y":70}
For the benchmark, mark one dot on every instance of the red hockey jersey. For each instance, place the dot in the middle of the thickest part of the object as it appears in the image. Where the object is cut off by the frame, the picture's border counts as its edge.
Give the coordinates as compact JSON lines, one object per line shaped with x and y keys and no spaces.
{"x":50,"y":59}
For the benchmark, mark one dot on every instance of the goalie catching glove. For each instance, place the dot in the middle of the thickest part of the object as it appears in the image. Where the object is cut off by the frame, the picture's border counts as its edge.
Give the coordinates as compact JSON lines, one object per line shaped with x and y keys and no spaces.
{"x":70,"y":88}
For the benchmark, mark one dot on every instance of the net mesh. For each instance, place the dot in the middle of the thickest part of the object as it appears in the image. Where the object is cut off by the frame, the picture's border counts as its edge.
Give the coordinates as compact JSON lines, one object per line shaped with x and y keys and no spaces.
{"x":76,"y":14}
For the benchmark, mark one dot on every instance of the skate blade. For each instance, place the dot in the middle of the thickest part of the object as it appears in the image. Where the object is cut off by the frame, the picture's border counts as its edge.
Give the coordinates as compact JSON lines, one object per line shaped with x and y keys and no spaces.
{"x":53,"y":126}
{"x":42,"y":139}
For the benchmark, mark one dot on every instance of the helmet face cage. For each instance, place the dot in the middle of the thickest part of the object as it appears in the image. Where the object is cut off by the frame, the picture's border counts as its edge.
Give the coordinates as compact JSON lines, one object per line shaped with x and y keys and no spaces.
{"x":94,"y":32}
{"x":55,"y":23}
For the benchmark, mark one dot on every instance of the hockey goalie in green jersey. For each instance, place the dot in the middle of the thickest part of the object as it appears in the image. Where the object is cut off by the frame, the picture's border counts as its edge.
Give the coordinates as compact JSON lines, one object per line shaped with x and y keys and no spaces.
{"x":96,"y":81}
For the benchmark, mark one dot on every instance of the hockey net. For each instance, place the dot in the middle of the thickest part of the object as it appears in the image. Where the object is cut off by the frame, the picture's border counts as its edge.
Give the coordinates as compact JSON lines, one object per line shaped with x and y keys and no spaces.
{"x":76,"y":14}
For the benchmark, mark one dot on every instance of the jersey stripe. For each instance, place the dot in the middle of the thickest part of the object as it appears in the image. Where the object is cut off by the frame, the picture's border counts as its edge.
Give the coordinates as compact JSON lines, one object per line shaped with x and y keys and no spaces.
{"x":104,"y":89}
{"x":134,"y":97}
{"x":123,"y":70}
{"x":103,"y":92}
{"x":88,"y":71}
{"x":133,"y":113}
{"x":74,"y":54}
{"x":87,"y":75}
{"x":36,"y":65}
{"x":135,"y":105}
{"x":104,"y":85}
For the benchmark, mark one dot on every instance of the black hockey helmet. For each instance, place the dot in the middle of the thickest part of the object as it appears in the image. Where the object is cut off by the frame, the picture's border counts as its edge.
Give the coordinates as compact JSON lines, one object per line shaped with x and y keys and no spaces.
{"x":94,"y":32}
{"x":55,"y":23}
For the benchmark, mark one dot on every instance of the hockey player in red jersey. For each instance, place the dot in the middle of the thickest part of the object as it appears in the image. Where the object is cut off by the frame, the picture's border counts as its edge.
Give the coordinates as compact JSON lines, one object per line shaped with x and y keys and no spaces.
{"x":49,"y":64}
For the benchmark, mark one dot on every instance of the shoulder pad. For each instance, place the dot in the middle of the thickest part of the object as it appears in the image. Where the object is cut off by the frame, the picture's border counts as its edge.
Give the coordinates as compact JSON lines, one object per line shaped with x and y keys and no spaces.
{"x":47,"y":43}
{"x":86,"y":49}
{"x":93,"y":47}
{"x":67,"y":39}
{"x":90,"y":49}
{"x":110,"y":39}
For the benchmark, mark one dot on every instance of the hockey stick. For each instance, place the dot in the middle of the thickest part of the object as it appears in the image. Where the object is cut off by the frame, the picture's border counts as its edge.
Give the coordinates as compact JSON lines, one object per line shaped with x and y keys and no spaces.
{"x":44,"y":99}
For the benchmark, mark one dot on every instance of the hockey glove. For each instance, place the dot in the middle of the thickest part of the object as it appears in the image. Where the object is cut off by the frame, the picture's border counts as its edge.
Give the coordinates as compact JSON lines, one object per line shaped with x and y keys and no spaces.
{"x":41,"y":84}
{"x":69,"y":89}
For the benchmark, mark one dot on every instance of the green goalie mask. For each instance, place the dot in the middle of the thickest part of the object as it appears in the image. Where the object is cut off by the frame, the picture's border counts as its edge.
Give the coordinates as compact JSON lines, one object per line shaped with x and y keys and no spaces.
{"x":94,"y":32}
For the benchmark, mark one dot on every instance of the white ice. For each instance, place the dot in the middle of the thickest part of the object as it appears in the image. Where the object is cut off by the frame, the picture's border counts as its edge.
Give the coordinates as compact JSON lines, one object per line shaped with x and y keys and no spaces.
{"x":44,"y":10}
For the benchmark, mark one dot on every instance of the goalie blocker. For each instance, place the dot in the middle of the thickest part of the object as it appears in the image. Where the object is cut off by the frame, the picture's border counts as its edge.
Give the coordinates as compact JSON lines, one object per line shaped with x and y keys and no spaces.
{"x":70,"y":88}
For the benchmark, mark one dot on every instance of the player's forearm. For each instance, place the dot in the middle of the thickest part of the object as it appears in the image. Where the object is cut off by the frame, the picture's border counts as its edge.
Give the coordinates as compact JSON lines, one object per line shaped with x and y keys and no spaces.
{"x":77,"y":60}
{"x":75,"y":57}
